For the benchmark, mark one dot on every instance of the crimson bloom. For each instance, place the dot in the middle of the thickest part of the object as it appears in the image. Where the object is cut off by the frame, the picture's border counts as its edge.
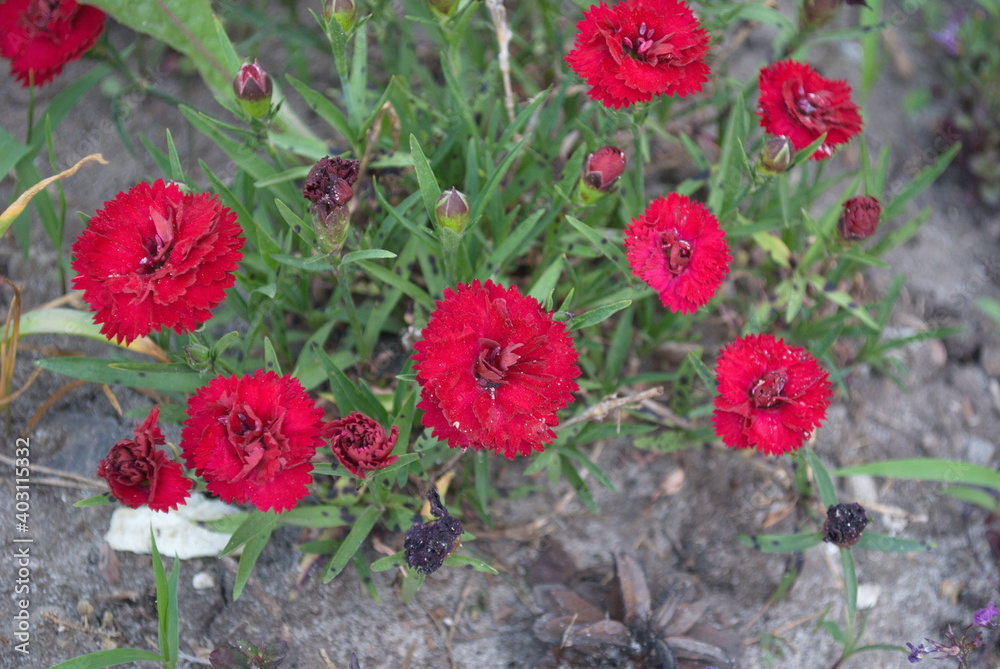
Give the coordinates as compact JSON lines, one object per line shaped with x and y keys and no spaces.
{"x":859,"y":219}
{"x":494,"y":369}
{"x":361,"y":444}
{"x":771,"y":395}
{"x":138,"y":473}
{"x":251,"y":438}
{"x":638,"y":49}
{"x":795,"y":101}
{"x":677,"y":247}
{"x":156,"y":258}
{"x":40,"y":36}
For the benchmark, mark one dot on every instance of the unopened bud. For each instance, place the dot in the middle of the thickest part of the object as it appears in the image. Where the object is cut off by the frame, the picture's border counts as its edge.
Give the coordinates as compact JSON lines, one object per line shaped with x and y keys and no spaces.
{"x":452,"y":210}
{"x":844,"y":524}
{"x":859,"y":220}
{"x":253,"y":88}
{"x":776,"y":156}
{"x":330,"y":186}
{"x":344,"y":11}
{"x":601,"y":172}
{"x":443,"y":8}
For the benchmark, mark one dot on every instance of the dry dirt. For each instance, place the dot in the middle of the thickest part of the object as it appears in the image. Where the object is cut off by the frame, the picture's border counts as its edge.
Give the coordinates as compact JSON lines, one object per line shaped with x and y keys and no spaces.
{"x":949,"y":408}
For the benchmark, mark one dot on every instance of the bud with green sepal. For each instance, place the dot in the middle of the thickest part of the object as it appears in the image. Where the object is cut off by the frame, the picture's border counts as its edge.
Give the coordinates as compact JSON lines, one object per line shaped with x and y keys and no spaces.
{"x":601,"y":172}
{"x":253,"y":89}
{"x":344,"y":11}
{"x":452,"y":210}
{"x":776,"y":156}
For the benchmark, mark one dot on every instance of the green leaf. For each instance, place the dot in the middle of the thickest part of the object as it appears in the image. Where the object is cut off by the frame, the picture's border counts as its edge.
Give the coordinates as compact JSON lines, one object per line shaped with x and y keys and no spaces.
{"x":921,"y":182}
{"x":351,"y":396}
{"x":271,"y":363}
{"x":388,"y":562}
{"x":366,"y":254}
{"x":352,"y":542}
{"x":886,"y":544}
{"x":598,"y":315}
{"x":429,"y":189}
{"x":405,"y":286}
{"x":827,"y":494}
{"x":850,"y":584}
{"x":248,"y":558}
{"x":167,"y":377}
{"x":323,"y":515}
{"x":458,"y":560}
{"x":927,"y":469}
{"x":166,"y":603}
{"x":972,"y":496}
{"x":256,"y":524}
{"x":781,"y":543}
{"x":327,"y":111}
{"x":103,"y":499}
{"x":603,"y":243}
{"x":109,"y":658}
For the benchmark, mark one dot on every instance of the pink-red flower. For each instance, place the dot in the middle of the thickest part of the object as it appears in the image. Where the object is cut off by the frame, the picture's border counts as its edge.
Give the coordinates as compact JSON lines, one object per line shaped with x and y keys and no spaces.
{"x":156,"y":257}
{"x":795,"y":101}
{"x":494,"y":369}
{"x":859,"y":219}
{"x":40,"y":36}
{"x":251,"y":439}
{"x":361,"y":444}
{"x":138,"y":473}
{"x":677,"y":247}
{"x":771,"y":396}
{"x":638,"y":49}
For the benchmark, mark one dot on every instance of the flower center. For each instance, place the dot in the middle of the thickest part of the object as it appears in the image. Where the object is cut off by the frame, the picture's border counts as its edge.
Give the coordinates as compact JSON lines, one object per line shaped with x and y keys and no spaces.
{"x":767,"y":392}
{"x":494,"y":362}
{"x":259,"y":445}
{"x":677,"y":250}
{"x":40,"y":15}
{"x":645,"y":47}
{"x":810,"y":103}
{"x":158,"y":245}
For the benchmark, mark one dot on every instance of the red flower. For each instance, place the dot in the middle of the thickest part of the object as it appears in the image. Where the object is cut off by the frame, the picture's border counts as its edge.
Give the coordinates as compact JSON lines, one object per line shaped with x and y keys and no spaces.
{"x":251,"y":439}
{"x":637,"y":49}
{"x":361,"y":444}
{"x":771,"y":395}
{"x":678,"y":248}
{"x":138,"y":473}
{"x":494,"y":369}
{"x":859,"y":220}
{"x":797,"y":102}
{"x":40,"y":36}
{"x":156,"y":258}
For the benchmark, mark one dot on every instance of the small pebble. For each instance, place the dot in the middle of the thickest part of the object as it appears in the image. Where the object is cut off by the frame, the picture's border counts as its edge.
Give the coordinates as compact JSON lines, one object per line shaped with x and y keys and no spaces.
{"x":203,"y":581}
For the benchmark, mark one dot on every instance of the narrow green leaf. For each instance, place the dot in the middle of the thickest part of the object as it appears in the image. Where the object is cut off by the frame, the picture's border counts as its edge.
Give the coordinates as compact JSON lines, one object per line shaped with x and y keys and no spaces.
{"x":327,"y":111}
{"x":459,"y":560}
{"x":886,"y":544}
{"x":176,"y":171}
{"x":598,"y":315}
{"x":827,"y":494}
{"x":248,"y":558}
{"x":972,"y":496}
{"x":271,"y":363}
{"x":103,"y":499}
{"x":388,"y":562}
{"x":603,"y":243}
{"x":109,"y":658}
{"x":430,"y":191}
{"x":365,"y":254}
{"x":168,"y":377}
{"x":927,"y":469}
{"x":352,"y":542}
{"x":408,"y":288}
{"x":256,"y":524}
{"x":351,"y":396}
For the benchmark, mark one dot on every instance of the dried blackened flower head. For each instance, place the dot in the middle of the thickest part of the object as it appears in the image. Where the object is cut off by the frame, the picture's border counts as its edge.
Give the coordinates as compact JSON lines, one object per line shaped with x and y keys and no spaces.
{"x":330,"y":186}
{"x":860,"y":217}
{"x":427,"y":545}
{"x":844,"y":524}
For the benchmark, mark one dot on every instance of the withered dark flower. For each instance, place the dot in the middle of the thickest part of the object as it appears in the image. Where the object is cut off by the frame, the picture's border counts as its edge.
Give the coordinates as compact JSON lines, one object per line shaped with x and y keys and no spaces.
{"x":860,"y":218}
{"x":630,"y":633}
{"x":844,"y":524}
{"x":427,"y":545}
{"x":330,"y":186}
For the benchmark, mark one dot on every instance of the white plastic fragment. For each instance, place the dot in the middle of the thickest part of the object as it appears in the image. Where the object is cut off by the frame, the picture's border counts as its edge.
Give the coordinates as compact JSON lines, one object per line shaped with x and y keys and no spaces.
{"x":176,"y":532}
{"x":203,"y":581}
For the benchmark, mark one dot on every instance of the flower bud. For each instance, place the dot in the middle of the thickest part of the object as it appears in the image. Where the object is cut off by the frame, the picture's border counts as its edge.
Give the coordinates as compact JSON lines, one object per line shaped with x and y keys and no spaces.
{"x":253,"y":88}
{"x":452,"y":210}
{"x":859,"y":218}
{"x":361,"y":444}
{"x":345,"y":11}
{"x":427,"y":545}
{"x":844,"y":524}
{"x":330,"y":186}
{"x":443,"y":8}
{"x":776,"y":156}
{"x":601,"y":172}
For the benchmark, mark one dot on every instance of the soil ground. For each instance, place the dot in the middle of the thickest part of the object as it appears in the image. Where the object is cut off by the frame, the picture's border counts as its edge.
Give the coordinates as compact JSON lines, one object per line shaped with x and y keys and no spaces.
{"x":680,"y":513}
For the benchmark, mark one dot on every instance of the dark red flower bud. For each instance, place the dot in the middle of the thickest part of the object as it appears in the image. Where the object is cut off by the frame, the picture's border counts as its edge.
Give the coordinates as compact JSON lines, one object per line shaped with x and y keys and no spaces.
{"x":844,"y":524}
{"x":604,"y":167}
{"x":253,"y":89}
{"x":859,"y":219}
{"x":345,"y":11}
{"x":330,"y":186}
{"x":138,"y":473}
{"x":777,"y":156}
{"x":452,"y":210}
{"x":361,"y":444}
{"x":427,"y":545}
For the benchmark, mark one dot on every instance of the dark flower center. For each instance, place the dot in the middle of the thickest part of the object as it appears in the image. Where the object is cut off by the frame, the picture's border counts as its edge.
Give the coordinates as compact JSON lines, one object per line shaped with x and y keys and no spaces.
{"x":767,"y":392}
{"x":677,"y":250}
{"x":130,"y":468}
{"x":494,"y":362}
{"x":42,"y":13}
{"x":158,"y":245}
{"x":645,"y":46}
{"x":260,"y":445}
{"x":812,"y":102}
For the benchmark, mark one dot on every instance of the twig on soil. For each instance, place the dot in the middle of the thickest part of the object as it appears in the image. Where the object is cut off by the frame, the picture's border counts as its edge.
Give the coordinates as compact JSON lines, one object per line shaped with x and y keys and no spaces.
{"x":460,"y":609}
{"x":95,"y":631}
{"x":444,"y":637}
{"x":602,"y":409}
{"x":84,"y":481}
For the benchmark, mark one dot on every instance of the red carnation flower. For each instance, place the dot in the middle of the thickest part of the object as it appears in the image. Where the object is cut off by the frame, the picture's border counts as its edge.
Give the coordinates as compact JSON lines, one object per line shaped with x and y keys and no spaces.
{"x":795,"y":101}
{"x":156,"y":258}
{"x":361,"y":444}
{"x":771,"y":395}
{"x":637,"y":49}
{"x":251,"y":438}
{"x":40,"y":36}
{"x":678,"y":248}
{"x":494,"y":369}
{"x":138,"y":473}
